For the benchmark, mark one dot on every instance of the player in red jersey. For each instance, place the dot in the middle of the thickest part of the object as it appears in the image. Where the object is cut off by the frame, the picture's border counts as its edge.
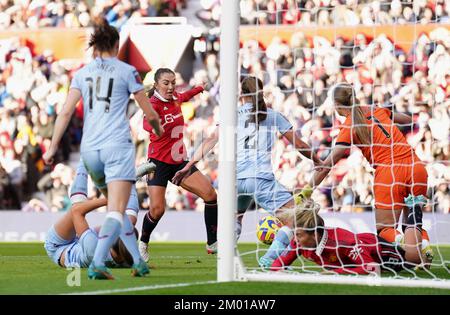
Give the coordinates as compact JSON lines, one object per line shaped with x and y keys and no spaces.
{"x":400,"y":183}
{"x":168,"y":153}
{"x":338,"y":250}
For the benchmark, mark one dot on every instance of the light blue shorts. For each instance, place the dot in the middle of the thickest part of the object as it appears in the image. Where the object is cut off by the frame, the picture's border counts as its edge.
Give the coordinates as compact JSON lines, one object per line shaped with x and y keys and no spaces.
{"x":82,"y":252}
{"x":54,"y":245}
{"x":79,"y":190}
{"x":110,"y":164}
{"x":268,"y":194}
{"x":79,"y":253}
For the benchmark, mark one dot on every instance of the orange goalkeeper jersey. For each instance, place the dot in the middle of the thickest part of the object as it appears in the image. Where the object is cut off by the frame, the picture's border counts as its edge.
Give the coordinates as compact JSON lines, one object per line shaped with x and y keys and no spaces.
{"x":388,"y":144}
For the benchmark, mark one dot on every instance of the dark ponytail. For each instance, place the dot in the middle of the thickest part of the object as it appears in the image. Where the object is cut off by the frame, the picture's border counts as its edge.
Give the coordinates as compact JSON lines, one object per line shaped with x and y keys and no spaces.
{"x":157,"y":76}
{"x":105,"y":37}
{"x":252,"y":86}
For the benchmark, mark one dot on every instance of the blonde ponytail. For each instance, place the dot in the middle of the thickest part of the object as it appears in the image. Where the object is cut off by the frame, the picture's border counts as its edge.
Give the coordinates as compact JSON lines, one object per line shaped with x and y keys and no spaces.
{"x":344,"y":95}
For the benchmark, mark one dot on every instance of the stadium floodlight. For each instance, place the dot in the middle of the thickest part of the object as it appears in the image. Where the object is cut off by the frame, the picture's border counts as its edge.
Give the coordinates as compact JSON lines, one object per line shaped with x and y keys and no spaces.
{"x":316,"y":41}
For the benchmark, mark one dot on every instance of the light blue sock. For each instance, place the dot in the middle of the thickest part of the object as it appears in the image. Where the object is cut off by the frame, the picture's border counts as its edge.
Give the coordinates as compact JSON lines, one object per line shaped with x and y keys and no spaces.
{"x":109,"y":232}
{"x":279,"y":244}
{"x":129,"y":239}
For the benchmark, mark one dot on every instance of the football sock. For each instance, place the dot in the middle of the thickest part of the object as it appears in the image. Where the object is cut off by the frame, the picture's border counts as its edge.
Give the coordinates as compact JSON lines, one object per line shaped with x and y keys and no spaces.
{"x":415,"y":218}
{"x":211,"y":221}
{"x":148,"y":225}
{"x":129,"y":239}
{"x":109,"y":232}
{"x":415,"y":204}
{"x":279,"y":244}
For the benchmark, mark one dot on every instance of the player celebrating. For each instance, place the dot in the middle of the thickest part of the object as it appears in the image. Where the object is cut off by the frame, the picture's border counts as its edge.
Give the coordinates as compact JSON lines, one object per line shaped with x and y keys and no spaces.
{"x":256,"y":134}
{"x":168,"y":153}
{"x":338,"y":250}
{"x":105,"y":84}
{"x":400,"y":176}
{"x":71,"y":243}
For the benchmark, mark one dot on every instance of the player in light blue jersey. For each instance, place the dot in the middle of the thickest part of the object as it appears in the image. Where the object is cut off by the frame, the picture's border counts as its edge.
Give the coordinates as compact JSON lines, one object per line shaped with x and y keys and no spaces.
{"x":107,"y":150}
{"x":79,"y":193}
{"x":257,"y":129}
{"x":70,"y":242}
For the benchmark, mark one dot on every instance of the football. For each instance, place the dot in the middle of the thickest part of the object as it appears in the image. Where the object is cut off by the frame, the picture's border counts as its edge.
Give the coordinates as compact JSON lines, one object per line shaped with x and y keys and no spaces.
{"x":267,"y":229}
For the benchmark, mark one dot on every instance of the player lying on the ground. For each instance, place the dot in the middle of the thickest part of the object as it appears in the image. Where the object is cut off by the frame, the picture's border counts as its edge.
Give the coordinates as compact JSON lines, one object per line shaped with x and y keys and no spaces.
{"x":400,"y":182}
{"x":339,"y":250}
{"x":257,"y":129}
{"x":70,"y":242}
{"x":72,"y":229}
{"x":106,"y":146}
{"x":79,"y":188}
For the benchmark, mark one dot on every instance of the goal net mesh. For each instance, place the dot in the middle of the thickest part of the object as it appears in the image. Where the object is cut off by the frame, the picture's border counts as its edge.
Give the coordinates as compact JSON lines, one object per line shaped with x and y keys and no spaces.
{"x":395,"y":54}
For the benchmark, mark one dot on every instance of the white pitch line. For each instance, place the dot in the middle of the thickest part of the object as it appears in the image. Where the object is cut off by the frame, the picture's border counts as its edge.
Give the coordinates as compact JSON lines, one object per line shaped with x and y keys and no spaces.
{"x":144,"y":288}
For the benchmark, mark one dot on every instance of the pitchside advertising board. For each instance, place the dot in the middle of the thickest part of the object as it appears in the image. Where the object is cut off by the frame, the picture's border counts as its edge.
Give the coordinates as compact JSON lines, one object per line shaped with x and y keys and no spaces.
{"x":188,"y":226}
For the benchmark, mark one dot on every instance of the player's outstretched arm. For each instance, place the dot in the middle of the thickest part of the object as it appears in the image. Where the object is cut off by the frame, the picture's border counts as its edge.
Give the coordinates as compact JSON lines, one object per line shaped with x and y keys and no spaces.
{"x":62,"y":121}
{"x":150,"y":114}
{"x":79,"y":211}
{"x":402,"y":119}
{"x":186,"y":96}
{"x":201,"y":151}
{"x":336,"y":155}
{"x":302,"y":147}
{"x":286,"y":258}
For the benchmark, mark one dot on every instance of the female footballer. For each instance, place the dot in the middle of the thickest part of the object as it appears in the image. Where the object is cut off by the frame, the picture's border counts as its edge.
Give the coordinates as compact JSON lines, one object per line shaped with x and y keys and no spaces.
{"x":105,"y":85}
{"x":168,"y":153}
{"x":400,"y":182}
{"x":70,"y":242}
{"x":338,"y":250}
{"x":257,"y":129}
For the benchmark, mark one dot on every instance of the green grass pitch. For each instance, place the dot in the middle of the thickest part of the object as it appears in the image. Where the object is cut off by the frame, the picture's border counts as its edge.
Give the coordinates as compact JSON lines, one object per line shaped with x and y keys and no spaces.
{"x":178,"y":268}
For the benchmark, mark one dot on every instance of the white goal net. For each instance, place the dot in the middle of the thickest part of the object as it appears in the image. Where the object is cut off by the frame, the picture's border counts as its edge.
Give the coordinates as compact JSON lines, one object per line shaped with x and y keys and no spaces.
{"x":395,"y":55}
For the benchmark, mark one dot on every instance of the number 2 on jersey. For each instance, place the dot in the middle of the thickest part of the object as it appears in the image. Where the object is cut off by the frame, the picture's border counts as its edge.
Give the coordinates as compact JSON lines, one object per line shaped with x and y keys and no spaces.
{"x":98,"y":83}
{"x":250,"y":138}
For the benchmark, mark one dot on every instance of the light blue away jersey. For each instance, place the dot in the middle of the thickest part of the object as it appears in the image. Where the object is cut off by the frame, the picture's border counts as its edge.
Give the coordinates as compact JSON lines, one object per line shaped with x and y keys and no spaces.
{"x":106,"y":85}
{"x":254,"y":147}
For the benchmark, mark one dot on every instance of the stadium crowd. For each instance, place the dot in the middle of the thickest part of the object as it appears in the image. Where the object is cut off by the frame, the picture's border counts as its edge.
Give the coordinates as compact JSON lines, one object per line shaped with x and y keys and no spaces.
{"x":71,"y":14}
{"x":333,"y":12}
{"x":297,"y":76}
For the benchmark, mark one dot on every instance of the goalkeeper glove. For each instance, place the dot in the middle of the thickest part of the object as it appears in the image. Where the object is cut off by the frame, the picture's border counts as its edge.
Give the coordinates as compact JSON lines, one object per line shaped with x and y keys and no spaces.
{"x":305,"y":193}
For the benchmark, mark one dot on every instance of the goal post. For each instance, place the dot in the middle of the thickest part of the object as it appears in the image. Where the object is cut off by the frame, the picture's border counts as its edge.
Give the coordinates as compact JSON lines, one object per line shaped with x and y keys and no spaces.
{"x":233,"y":265}
{"x":227,"y":196}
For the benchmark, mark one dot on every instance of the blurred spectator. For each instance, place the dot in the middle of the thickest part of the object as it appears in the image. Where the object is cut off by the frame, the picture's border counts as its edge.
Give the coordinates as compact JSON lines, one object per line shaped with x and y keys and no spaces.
{"x":55,"y":186}
{"x":332,"y":12}
{"x":33,"y":90}
{"x":73,"y":14}
{"x":297,"y":76}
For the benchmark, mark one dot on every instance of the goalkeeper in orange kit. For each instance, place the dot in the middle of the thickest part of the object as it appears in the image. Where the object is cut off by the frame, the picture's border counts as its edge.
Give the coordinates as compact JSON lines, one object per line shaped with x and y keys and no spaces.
{"x":400,"y":182}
